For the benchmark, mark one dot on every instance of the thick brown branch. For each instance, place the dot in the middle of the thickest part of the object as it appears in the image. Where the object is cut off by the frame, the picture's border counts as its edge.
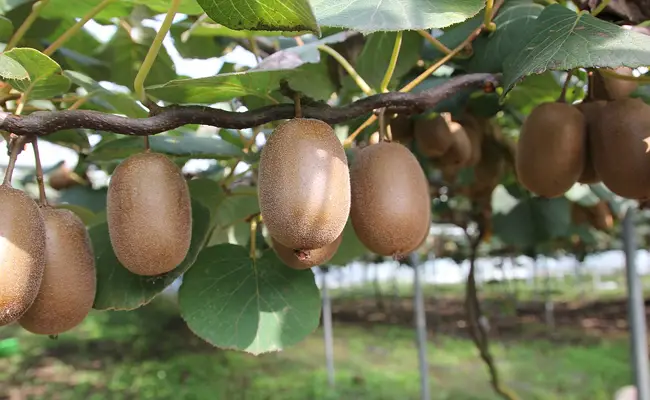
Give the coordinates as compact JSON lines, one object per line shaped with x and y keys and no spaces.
{"x":166,"y":118}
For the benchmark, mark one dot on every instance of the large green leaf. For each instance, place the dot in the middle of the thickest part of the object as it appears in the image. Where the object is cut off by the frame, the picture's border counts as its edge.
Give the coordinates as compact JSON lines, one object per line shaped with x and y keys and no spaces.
{"x":376,"y":53}
{"x":561,"y":39}
{"x":256,"y":306}
{"x":191,"y":146}
{"x":262,"y":15}
{"x":84,"y":196}
{"x":397,"y":15}
{"x":6,"y":28}
{"x":115,"y":102}
{"x":189,"y":7}
{"x":45,"y":75}
{"x":513,"y":22}
{"x":75,"y":139}
{"x":533,"y":91}
{"x":193,"y":44}
{"x":119,"y":289}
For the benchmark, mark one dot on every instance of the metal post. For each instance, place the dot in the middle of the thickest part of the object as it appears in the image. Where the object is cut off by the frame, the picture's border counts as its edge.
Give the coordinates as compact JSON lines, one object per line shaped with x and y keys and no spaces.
{"x":636,"y":311}
{"x":420,"y":328}
{"x":327,"y":328}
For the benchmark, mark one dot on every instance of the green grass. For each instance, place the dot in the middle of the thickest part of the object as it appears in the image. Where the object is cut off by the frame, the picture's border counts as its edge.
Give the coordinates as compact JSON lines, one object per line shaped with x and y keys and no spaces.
{"x":148,"y":354}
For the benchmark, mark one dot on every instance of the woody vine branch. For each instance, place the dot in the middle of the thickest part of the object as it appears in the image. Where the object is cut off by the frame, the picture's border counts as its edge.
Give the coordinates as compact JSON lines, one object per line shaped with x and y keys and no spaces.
{"x":161,"y":119}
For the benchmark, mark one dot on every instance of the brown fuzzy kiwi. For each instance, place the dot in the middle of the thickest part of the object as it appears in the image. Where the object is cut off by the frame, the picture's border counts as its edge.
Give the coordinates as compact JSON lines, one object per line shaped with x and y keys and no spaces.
{"x":619,"y":153}
{"x":391,"y":203}
{"x":475,"y":133}
{"x":401,"y":129}
{"x":433,"y":135}
{"x":149,"y":214}
{"x":591,"y":110}
{"x":304,"y":260}
{"x":68,"y":288}
{"x":22,"y":253}
{"x":459,"y":153}
{"x":304,"y":184}
{"x":551,"y":150}
{"x":601,"y":217}
{"x":487,"y":173}
{"x":619,"y":88}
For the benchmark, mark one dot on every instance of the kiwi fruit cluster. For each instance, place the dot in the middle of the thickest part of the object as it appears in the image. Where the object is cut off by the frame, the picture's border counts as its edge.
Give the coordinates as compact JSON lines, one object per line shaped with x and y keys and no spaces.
{"x":308,"y":190}
{"x":47,"y":265}
{"x":600,"y":139}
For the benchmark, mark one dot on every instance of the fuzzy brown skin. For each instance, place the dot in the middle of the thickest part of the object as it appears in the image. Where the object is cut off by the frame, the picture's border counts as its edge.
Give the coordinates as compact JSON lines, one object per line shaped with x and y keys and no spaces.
{"x":68,"y":288}
{"x":459,"y":153}
{"x":619,"y":88}
{"x":391,"y":204}
{"x":304,"y":184}
{"x":149,"y":214}
{"x":433,"y":136}
{"x":551,"y":149}
{"x":619,"y":147}
{"x":304,"y":259}
{"x":22,"y":253}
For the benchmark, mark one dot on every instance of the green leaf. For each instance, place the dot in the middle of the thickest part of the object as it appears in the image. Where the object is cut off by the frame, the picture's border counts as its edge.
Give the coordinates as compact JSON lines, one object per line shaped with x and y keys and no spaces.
{"x":189,"y":7}
{"x":533,"y":91}
{"x":256,"y":306}
{"x":513,"y":22}
{"x":84,"y":214}
{"x":262,"y":15}
{"x":376,"y":54}
{"x":350,"y":248}
{"x":116,"y":102}
{"x":12,"y":69}
{"x":190,"y":44}
{"x":84,"y":196}
{"x":125,"y":55}
{"x":191,"y":146}
{"x":63,"y":9}
{"x":119,"y":289}
{"x":75,"y":139}
{"x":6,"y":29}
{"x":45,"y":75}
{"x":560,"y":39}
{"x":378,"y":15}
{"x":218,"y":88}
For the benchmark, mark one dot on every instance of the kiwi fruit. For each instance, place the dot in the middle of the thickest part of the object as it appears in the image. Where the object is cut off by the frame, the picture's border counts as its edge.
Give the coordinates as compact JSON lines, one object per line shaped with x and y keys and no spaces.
{"x":433,"y":136}
{"x":619,"y":88}
{"x":591,"y":110}
{"x":618,"y":150}
{"x":459,"y":153}
{"x":304,"y":184}
{"x":301,"y":260}
{"x":149,"y":214}
{"x":401,"y":129}
{"x":68,"y":287}
{"x":22,"y":253}
{"x":475,"y":134}
{"x":550,"y":154}
{"x":391,"y":202}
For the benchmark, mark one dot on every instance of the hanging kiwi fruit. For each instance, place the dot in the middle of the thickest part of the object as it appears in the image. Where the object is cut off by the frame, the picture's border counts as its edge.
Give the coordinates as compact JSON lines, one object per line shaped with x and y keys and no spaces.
{"x":149,"y":214}
{"x":619,"y":146}
{"x":590,"y":109}
{"x":550,"y":154}
{"x":22,"y":248}
{"x":304,"y":185}
{"x":67,"y":291}
{"x":618,"y":88}
{"x":402,"y":129}
{"x":433,"y":136}
{"x":391,"y":203}
{"x":301,"y":260}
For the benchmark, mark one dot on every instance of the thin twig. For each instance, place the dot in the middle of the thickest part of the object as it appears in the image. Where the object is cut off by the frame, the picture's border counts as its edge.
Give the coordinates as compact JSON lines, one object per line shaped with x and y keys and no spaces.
{"x":39,"y":174}
{"x":27,"y":23}
{"x":171,"y":117}
{"x":75,"y":28}
{"x":392,"y":63}
{"x":562,"y":97}
{"x":435,"y":42}
{"x":17,"y":146}
{"x":365,"y":88}
{"x":603,"y":4}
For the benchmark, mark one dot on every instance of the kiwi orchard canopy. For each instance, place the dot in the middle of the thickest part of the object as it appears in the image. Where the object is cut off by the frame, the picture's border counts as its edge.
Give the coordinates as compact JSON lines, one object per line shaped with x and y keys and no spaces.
{"x":519,"y":123}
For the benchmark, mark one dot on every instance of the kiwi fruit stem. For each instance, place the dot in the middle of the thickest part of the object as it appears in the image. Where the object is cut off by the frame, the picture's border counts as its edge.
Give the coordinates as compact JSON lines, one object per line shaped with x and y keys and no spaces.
{"x":253,"y":250}
{"x":147,"y":148}
{"x":39,"y":174}
{"x":562,"y":97}
{"x":297,"y":106}
{"x":17,"y":143}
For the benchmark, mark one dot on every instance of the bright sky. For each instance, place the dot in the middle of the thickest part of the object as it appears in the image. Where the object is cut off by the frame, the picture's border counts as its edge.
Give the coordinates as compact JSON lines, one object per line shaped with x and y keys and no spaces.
{"x":445,"y":270}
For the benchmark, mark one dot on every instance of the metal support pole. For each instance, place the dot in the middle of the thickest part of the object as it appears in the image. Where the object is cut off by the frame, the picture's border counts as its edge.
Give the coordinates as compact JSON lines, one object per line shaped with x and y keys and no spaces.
{"x":636,"y":311}
{"x":420,"y":328}
{"x":327,"y":328}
